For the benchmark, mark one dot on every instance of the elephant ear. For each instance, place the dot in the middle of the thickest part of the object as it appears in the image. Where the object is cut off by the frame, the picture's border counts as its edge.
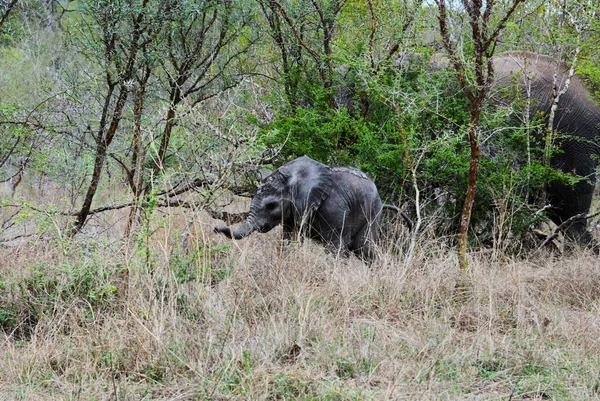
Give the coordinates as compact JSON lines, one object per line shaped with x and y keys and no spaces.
{"x":309,"y":182}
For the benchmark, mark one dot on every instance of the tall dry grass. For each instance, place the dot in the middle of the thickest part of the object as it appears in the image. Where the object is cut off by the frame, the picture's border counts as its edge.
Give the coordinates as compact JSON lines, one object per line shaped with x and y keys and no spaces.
{"x":157,"y":318}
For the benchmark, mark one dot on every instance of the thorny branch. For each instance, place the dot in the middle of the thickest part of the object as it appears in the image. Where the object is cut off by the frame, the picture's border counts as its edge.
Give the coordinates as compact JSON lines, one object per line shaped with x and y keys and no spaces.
{"x":393,"y":49}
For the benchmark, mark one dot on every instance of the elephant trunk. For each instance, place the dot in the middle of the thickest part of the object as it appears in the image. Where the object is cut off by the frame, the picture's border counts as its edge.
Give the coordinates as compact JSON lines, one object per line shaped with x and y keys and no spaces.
{"x":239,"y":232}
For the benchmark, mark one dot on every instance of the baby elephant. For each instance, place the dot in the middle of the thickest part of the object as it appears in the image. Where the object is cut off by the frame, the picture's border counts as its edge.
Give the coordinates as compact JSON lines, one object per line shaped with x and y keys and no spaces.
{"x":337,"y":206}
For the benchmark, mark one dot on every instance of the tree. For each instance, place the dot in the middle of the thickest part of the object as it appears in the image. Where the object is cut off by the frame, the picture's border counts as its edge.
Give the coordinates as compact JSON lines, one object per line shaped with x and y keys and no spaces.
{"x":123,"y":30}
{"x":325,"y":18}
{"x":484,"y":37}
{"x":193,"y":59}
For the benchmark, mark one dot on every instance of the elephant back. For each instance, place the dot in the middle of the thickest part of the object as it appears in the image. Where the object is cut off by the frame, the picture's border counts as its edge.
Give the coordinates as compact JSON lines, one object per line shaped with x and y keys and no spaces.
{"x":358,"y":190}
{"x":350,"y":170}
{"x":577,"y":116}
{"x":578,"y":111}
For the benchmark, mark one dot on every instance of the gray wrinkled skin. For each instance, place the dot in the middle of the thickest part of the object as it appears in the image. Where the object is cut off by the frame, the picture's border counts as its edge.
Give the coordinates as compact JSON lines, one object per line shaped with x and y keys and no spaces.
{"x":336,"y":206}
{"x":577,"y":121}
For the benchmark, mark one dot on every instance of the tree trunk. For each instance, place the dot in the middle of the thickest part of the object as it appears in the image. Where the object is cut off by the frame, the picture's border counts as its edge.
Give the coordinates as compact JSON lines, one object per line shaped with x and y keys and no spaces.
{"x":92,"y":188}
{"x":102,"y":144}
{"x":471,"y":188}
{"x":136,"y":172}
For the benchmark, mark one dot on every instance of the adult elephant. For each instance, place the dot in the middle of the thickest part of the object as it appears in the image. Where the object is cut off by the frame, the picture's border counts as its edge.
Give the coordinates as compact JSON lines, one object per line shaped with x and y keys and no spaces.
{"x":337,"y":206}
{"x":577,"y":122}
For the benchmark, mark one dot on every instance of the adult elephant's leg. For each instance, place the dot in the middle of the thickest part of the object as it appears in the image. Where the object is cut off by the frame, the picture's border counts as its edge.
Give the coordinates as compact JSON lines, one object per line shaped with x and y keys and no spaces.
{"x":366,"y":251}
{"x":569,"y":201}
{"x":576,"y":157}
{"x":336,"y":242}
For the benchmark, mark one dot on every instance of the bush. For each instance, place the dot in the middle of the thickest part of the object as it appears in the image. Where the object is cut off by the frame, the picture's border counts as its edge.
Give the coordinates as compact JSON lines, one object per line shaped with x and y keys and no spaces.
{"x":430,"y":111}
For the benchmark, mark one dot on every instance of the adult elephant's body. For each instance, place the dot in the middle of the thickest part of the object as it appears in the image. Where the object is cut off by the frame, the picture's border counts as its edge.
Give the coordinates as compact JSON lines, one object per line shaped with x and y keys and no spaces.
{"x":576,"y":121}
{"x":337,"y":206}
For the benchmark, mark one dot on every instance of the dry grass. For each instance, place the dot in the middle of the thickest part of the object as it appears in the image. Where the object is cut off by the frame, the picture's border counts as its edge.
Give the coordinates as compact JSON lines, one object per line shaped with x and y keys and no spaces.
{"x":108,"y":319}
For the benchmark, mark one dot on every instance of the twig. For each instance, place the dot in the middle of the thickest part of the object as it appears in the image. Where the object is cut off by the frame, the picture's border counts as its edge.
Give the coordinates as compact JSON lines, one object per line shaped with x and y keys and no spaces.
{"x":196,"y":183}
{"x":564,"y":224}
{"x":8,"y":10}
{"x":231,"y":218}
{"x":15,"y":237}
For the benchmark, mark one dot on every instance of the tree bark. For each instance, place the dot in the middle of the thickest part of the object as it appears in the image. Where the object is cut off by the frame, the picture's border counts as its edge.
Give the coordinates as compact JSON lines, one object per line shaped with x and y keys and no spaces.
{"x":475,"y":157}
{"x":102,"y":144}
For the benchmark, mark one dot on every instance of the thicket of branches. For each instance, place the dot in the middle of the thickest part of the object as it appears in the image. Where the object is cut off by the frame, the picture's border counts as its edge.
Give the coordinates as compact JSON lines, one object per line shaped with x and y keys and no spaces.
{"x":175,"y":101}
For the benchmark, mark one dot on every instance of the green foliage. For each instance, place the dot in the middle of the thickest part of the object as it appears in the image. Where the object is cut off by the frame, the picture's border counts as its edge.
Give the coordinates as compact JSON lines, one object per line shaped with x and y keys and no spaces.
{"x":287,"y":387}
{"x":14,"y":141}
{"x":345,"y":369}
{"x":43,"y":287}
{"x":588,"y":65}
{"x":20,"y":19}
{"x":200,"y":265}
{"x":491,"y":367}
{"x":540,"y":380}
{"x":318,"y":132}
{"x":7,"y":319}
{"x":87,"y":281}
{"x":155,"y":372}
{"x":590,"y":69}
{"x":426,"y":111}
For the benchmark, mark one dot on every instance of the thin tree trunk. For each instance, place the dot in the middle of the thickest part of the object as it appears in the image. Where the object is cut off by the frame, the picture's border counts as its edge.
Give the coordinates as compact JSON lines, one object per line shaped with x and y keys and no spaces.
{"x":484,"y":42}
{"x":159,"y":163}
{"x":102,"y":144}
{"x":475,"y":157}
{"x":136,"y":174}
{"x":92,"y":188}
{"x":166,"y":138}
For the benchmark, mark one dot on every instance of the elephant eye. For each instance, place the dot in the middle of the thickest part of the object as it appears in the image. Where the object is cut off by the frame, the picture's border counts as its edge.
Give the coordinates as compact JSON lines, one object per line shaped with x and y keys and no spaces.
{"x":271,"y":205}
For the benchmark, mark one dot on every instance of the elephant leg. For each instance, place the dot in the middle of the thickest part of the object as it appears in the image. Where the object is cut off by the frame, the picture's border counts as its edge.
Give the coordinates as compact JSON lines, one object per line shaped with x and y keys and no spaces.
{"x":338,"y":247}
{"x":363,"y":245}
{"x":333,"y":241}
{"x":334,"y":247}
{"x":366,"y":253}
{"x":289,"y":233}
{"x":571,"y":201}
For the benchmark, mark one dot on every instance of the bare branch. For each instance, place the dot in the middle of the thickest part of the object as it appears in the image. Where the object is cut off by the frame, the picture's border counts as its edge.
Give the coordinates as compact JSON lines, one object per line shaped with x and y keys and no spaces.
{"x":564,"y":225}
{"x":372,"y":34}
{"x":310,"y":50}
{"x":7,"y":11}
{"x":454,"y":60}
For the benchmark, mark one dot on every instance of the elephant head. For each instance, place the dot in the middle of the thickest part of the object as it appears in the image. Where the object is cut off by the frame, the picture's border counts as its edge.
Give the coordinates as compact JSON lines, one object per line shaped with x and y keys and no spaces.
{"x":288,"y":196}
